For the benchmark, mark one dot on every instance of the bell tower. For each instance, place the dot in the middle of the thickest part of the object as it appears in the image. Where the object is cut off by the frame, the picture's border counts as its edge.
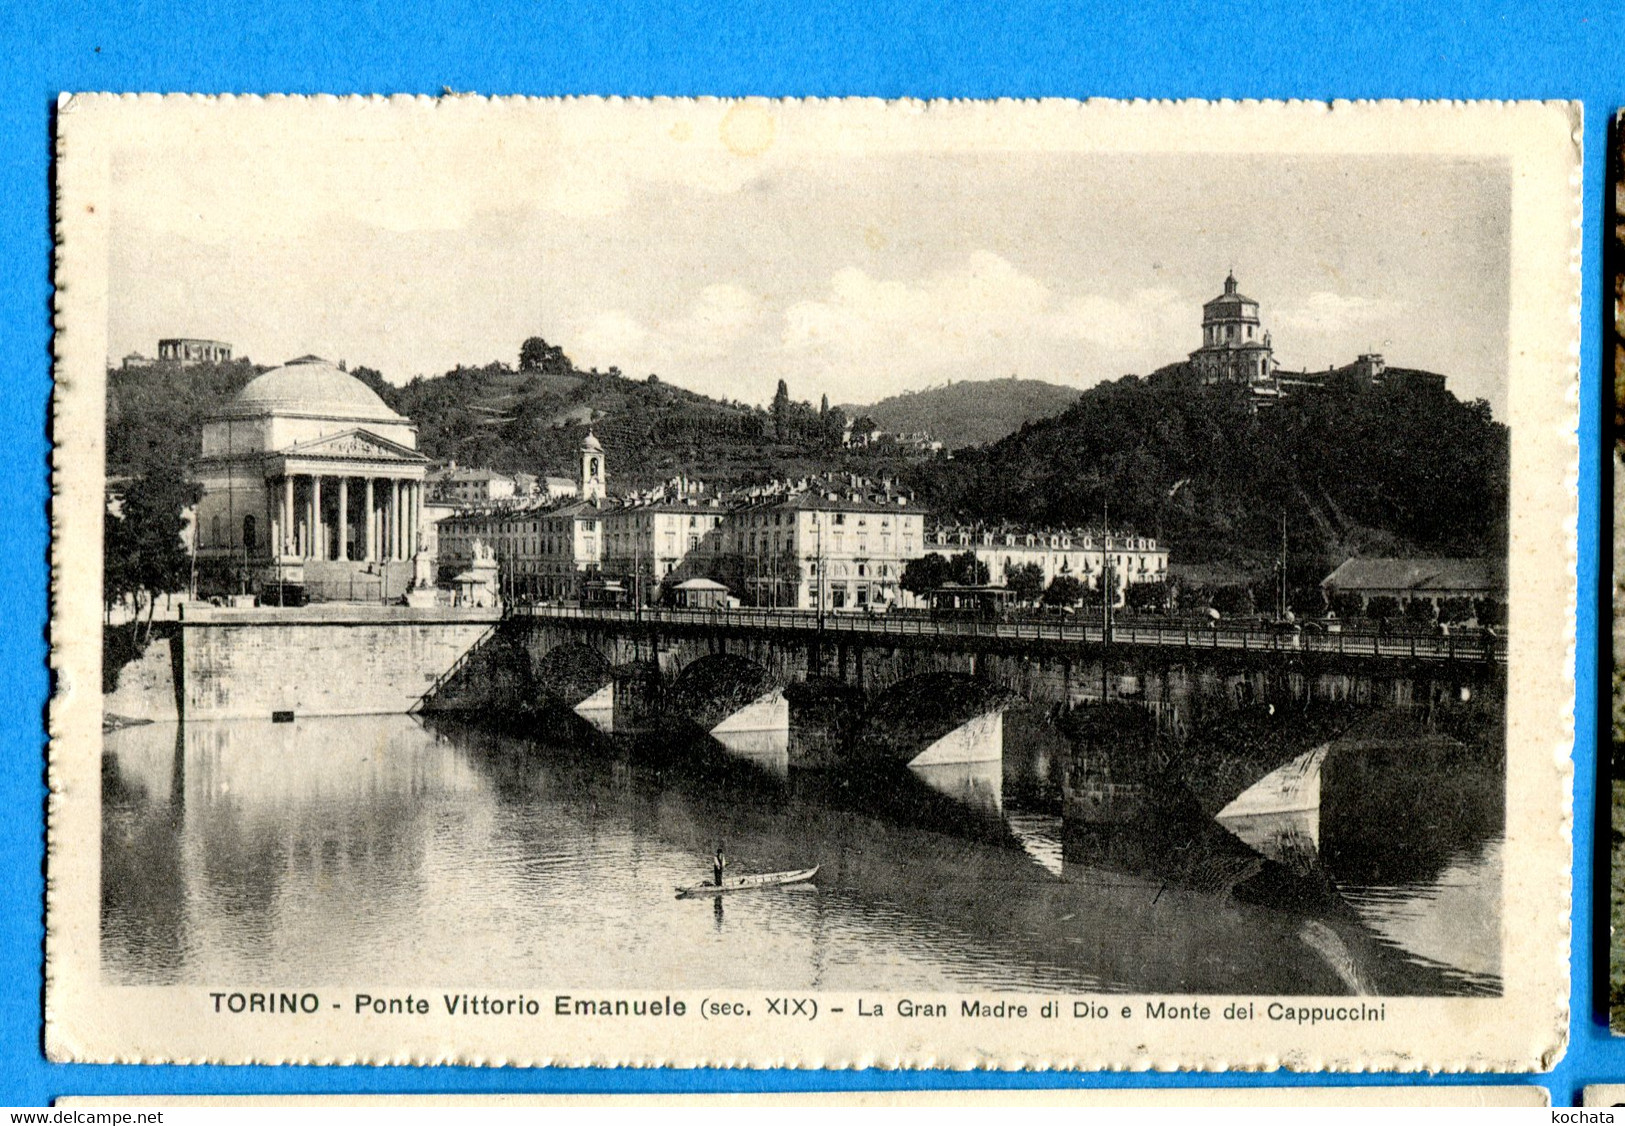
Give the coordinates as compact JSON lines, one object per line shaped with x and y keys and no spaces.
{"x":592,"y":469}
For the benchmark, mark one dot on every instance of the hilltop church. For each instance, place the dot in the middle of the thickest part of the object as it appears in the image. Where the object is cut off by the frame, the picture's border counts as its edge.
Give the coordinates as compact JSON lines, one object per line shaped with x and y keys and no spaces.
{"x":1236,"y":349}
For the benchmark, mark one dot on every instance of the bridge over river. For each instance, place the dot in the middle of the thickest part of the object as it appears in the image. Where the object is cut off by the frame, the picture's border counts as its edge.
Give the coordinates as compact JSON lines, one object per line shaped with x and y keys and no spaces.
{"x":1476,"y":645}
{"x":1139,"y":710}
{"x":1127,"y":773}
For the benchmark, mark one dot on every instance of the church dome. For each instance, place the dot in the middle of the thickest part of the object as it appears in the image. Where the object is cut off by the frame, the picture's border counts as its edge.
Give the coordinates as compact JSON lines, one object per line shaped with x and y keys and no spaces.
{"x":311,"y":386}
{"x":590,"y":442}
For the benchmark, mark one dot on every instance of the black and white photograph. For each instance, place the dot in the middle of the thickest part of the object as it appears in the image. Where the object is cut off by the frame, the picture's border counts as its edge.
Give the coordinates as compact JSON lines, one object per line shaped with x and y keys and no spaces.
{"x":853,"y":581}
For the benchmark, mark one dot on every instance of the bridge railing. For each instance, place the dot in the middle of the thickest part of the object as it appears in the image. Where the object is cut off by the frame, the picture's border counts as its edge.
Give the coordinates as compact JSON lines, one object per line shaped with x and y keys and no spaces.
{"x":1474,"y":647}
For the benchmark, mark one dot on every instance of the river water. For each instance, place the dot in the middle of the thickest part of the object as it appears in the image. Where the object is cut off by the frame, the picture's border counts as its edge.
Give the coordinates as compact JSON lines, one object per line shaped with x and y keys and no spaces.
{"x":390,"y":850}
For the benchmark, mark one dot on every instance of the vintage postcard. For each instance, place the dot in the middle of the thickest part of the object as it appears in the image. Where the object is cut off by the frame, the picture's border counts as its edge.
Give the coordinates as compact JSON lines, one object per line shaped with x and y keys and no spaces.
{"x":816,"y":584}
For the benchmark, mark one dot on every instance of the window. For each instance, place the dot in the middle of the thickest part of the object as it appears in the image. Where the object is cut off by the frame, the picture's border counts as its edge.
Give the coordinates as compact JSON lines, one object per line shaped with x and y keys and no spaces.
{"x":214,"y":531}
{"x":840,"y":517}
{"x":248,"y":531}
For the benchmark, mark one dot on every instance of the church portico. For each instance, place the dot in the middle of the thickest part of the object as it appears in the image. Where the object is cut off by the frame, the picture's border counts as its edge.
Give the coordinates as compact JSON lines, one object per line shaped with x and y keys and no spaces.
{"x":336,"y":511}
{"x":333,"y":515}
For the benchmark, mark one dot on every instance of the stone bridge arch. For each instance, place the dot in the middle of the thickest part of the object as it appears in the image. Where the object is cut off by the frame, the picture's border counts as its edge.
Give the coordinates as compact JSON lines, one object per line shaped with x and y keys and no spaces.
{"x":916,"y":712}
{"x":572,"y":672}
{"x":711,"y":688}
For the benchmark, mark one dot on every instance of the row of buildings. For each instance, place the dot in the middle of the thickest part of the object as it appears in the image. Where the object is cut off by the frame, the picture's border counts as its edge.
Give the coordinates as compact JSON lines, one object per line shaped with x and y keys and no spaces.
{"x":310,"y":480}
{"x":832,"y":544}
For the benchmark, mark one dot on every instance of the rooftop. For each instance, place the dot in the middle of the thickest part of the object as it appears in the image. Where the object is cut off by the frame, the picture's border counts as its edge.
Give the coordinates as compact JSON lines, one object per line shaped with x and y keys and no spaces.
{"x":310,"y":385}
{"x":1427,"y":575}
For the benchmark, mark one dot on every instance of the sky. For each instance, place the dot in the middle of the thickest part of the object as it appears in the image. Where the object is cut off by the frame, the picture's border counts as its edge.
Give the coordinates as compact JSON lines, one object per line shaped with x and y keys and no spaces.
{"x":854,"y":272}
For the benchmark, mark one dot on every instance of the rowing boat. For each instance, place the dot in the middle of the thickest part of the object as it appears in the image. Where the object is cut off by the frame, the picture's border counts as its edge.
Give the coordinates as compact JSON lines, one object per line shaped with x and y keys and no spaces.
{"x":749,"y":883}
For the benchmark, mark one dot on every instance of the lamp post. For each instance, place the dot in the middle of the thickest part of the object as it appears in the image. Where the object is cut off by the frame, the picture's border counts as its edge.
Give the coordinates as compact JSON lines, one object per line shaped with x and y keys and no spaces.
{"x":818,"y":567}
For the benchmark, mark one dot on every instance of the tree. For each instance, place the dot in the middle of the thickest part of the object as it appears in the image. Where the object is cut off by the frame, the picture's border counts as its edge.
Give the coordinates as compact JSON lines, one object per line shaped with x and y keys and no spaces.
{"x":1026,"y":580}
{"x":1490,"y":611}
{"x":834,"y":427}
{"x":781,"y":412}
{"x":923,"y":575}
{"x":118,"y":563}
{"x":1348,"y":605}
{"x":1419,"y":611}
{"x":967,"y":570}
{"x":1065,"y":590}
{"x":1382,"y":607}
{"x":1233,"y":600}
{"x":1147,"y":596}
{"x":537,"y":355}
{"x":143,"y":552}
{"x":1453,"y":610}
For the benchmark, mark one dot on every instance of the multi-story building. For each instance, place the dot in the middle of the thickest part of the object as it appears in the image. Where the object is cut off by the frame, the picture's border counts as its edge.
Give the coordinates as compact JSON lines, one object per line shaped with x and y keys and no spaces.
{"x":1084,"y":555}
{"x":822,"y":548}
{"x":801,"y":545}
{"x":657,"y":543}
{"x":541,"y":552}
{"x":461,"y":485}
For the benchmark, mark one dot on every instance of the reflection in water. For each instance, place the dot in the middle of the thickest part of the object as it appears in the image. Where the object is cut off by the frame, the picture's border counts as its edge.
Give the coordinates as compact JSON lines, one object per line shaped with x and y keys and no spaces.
{"x":340,"y":850}
{"x":978,"y":785}
{"x":1291,"y":838}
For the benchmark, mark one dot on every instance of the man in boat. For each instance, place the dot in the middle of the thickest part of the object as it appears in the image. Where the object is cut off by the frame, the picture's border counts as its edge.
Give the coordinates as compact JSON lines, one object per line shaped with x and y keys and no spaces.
{"x":718,"y":864}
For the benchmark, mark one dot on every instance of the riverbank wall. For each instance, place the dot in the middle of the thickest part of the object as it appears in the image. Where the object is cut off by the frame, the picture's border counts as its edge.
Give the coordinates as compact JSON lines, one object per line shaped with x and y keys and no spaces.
{"x":265,"y":662}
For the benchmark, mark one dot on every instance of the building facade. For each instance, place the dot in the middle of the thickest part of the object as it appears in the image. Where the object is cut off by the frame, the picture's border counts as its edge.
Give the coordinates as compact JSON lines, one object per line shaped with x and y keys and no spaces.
{"x":822,"y":549}
{"x":1435,"y":581}
{"x":464,"y":486}
{"x":308,"y":479}
{"x":656,"y":544}
{"x":1083,"y":555}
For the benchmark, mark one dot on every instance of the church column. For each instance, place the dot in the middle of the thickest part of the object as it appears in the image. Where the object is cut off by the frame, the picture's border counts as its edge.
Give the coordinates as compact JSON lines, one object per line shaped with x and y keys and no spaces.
{"x":286,"y":546}
{"x":344,"y":519}
{"x":372,"y":525}
{"x":394,"y":519}
{"x":412,"y":519}
{"x":318,"y":540}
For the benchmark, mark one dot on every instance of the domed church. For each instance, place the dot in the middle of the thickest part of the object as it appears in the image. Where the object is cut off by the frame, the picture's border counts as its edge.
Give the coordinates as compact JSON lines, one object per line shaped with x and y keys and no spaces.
{"x":309,"y":481}
{"x":1235,"y":348}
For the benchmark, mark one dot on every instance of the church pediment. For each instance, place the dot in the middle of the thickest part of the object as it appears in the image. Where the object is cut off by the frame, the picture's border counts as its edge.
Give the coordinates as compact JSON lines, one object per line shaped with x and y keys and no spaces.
{"x":359,"y":445}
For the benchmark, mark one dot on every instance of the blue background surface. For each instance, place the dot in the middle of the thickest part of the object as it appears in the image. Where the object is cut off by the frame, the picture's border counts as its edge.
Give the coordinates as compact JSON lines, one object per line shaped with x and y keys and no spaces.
{"x":1260,"y":49}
